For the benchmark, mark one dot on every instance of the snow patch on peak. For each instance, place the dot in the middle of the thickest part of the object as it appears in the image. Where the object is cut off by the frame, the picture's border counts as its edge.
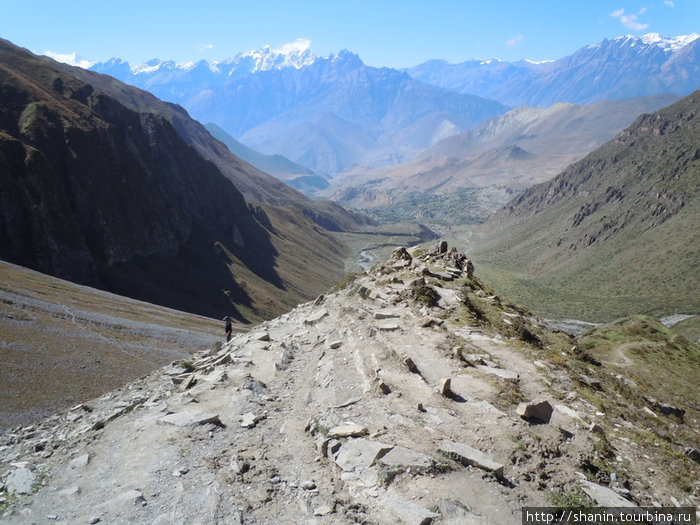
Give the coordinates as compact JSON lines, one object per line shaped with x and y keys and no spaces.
{"x":149,"y":67}
{"x":295,"y":54}
{"x":672,"y":44}
{"x":537,"y":62}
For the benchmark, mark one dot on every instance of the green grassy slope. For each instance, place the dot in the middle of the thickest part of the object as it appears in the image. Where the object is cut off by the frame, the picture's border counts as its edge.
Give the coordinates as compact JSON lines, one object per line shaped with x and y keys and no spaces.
{"x":614,"y":234}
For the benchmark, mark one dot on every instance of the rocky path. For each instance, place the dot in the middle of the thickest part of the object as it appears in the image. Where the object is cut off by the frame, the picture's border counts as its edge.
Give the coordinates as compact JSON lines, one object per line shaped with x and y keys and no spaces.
{"x":365,"y":406}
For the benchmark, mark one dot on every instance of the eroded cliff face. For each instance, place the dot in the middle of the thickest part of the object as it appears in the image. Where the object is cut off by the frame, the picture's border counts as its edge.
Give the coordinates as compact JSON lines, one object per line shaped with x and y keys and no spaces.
{"x":97,"y":193}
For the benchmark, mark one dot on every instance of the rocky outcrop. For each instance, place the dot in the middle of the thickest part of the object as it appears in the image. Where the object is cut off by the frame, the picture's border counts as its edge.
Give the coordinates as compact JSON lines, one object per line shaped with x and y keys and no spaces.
{"x":284,"y":425}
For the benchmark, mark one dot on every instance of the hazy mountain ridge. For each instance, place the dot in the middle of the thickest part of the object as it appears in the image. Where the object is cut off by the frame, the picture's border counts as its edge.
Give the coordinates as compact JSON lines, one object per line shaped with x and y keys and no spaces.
{"x":327,"y":115}
{"x":622,"y":67}
{"x":292,"y":173}
{"x":620,"y":224}
{"x":498,"y":158}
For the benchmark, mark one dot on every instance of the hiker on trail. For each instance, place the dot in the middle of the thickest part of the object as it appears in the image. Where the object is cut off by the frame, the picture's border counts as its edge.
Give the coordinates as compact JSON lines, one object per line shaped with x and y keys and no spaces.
{"x":229,"y":328}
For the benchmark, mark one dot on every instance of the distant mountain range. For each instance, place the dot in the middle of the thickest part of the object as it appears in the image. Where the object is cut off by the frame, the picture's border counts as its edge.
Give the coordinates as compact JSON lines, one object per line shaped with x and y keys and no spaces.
{"x":104,"y":184}
{"x":614,"y":233}
{"x":491,"y":162}
{"x":623,"y":67}
{"x":330,"y":114}
{"x":324,"y":113}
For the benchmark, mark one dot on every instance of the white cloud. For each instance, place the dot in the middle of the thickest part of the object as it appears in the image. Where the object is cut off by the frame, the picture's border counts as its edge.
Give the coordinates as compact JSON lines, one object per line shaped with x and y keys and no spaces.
{"x":205,"y":47}
{"x":630,"y":21}
{"x":642,"y":10}
{"x":69,"y":58}
{"x":669,"y":3}
{"x":514,"y":41}
{"x":298,"y":46}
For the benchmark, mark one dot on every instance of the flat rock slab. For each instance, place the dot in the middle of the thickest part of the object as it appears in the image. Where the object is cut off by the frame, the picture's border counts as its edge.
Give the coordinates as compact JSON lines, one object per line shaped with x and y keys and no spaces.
{"x":189,"y":418}
{"x":470,"y":456}
{"x":360,"y":452}
{"x":316,"y":316}
{"x":386,"y":314}
{"x":20,"y":481}
{"x":457,"y":513}
{"x":133,"y":496}
{"x":405,"y":457}
{"x":410,"y":513}
{"x":508,"y":375}
{"x":80,"y":461}
{"x":388,"y":326}
{"x":438,"y":274}
{"x":604,"y":496}
{"x":570,"y":412}
{"x":347,"y":430}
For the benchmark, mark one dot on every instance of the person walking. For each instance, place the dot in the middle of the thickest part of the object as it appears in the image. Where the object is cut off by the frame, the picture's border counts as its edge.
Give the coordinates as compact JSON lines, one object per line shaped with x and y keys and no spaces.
{"x":228,"y":328}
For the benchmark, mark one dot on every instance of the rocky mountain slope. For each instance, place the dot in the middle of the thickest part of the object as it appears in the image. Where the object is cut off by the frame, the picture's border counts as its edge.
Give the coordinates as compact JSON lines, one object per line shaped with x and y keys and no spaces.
{"x":491,"y":162}
{"x":324,"y":113}
{"x":412,"y":395}
{"x":105,"y":185}
{"x":615,"y":233}
{"x":622,"y":67}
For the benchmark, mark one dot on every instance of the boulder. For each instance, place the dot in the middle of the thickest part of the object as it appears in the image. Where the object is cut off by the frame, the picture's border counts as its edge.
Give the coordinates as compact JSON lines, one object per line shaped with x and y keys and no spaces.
{"x":249,"y":420}
{"x":536,"y":411}
{"x":692,"y":453}
{"x":400,"y":257}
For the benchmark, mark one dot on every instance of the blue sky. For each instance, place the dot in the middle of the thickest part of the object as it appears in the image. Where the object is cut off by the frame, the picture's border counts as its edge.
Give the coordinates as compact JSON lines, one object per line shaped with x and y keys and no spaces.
{"x":384,"y":33}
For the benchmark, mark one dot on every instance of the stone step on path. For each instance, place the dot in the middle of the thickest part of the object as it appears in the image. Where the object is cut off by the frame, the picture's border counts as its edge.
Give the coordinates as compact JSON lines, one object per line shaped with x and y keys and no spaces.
{"x":402,"y":457}
{"x":467,"y":455}
{"x":410,"y":513}
{"x":604,"y":496}
{"x":360,"y":452}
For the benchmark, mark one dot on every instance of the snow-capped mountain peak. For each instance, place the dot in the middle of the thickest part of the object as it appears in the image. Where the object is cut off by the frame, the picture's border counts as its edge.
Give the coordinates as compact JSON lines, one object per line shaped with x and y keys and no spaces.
{"x":670,"y":44}
{"x":294,"y":54}
{"x":655,"y":39}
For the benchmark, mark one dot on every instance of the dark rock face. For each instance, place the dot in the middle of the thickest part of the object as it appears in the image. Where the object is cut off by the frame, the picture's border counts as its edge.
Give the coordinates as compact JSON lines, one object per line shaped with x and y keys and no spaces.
{"x":96,"y":193}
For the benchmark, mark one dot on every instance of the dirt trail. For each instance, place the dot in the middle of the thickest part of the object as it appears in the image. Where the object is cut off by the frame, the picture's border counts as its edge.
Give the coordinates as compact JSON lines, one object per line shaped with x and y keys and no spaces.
{"x":337,"y":412}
